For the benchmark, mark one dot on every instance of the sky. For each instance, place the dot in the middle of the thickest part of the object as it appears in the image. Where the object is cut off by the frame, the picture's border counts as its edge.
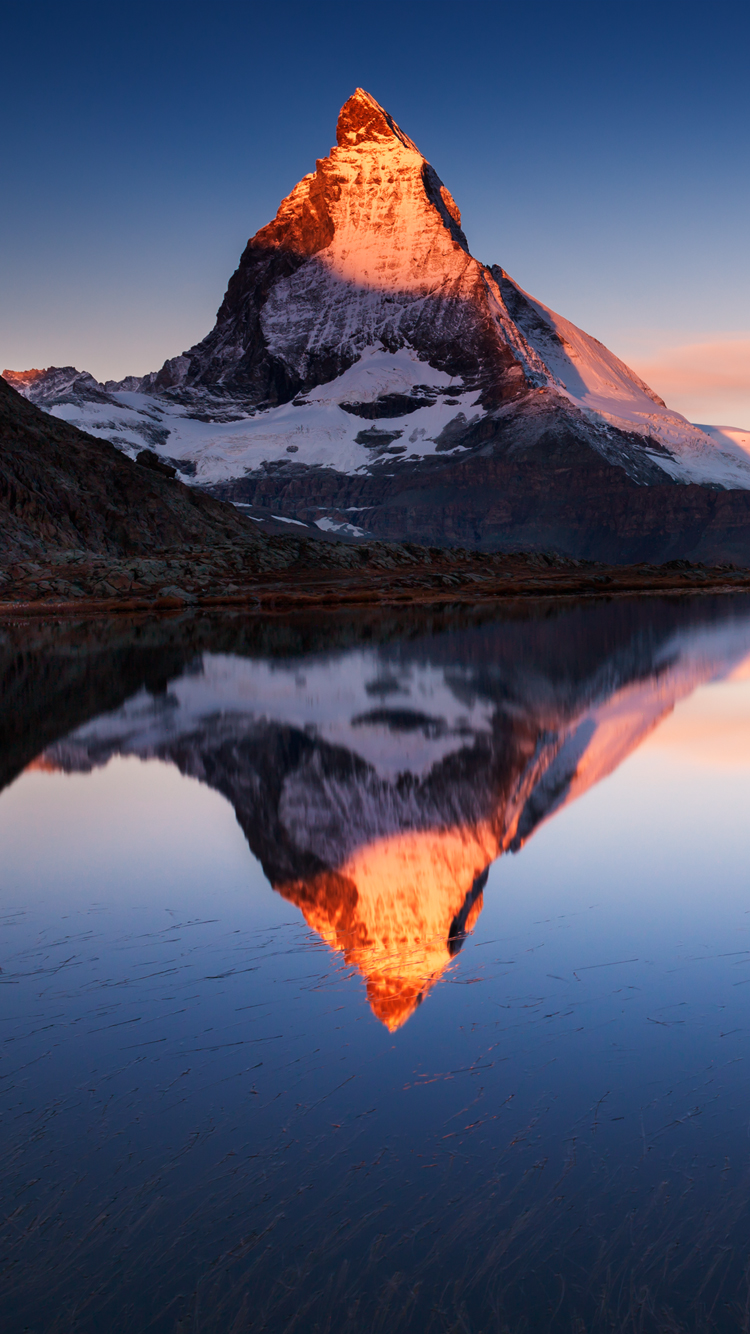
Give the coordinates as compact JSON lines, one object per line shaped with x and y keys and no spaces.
{"x":599,"y":152}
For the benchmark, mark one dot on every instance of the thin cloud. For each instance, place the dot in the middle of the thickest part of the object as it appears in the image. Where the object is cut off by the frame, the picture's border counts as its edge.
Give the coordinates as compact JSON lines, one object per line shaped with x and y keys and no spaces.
{"x":706,"y":381}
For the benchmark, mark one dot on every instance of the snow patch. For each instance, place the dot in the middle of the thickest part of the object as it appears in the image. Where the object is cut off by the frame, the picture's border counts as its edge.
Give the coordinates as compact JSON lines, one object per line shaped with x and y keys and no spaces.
{"x":333,"y":526}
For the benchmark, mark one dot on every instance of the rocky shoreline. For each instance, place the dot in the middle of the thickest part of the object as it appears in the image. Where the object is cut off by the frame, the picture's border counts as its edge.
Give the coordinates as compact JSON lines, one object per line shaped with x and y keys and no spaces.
{"x":289,"y":574}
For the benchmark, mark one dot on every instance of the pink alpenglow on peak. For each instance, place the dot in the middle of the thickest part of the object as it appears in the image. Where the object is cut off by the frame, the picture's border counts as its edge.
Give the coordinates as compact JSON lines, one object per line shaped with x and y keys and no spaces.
{"x":362,"y":120}
{"x":366,"y":251}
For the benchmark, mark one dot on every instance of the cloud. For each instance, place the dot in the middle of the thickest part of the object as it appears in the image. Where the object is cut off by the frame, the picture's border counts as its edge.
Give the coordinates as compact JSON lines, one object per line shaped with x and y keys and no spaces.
{"x":706,"y":381}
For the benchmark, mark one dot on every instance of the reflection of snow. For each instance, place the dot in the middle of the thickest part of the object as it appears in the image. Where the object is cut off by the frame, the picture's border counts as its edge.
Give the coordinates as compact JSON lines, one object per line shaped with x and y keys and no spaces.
{"x":402,"y":716}
{"x":329,"y":696}
{"x":377,"y":786}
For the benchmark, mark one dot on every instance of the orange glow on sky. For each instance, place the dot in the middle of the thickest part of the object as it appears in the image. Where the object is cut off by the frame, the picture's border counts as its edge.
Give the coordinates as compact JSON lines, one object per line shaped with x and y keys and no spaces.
{"x":706,"y":381}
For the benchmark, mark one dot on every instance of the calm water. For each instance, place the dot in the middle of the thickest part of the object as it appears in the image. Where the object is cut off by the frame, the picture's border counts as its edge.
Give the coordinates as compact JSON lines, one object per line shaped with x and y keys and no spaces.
{"x":377,"y":975}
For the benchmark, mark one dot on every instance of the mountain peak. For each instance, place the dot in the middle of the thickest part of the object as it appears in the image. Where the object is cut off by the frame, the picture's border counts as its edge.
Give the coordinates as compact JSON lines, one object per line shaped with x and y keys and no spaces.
{"x":22,"y":379}
{"x":362,"y":120}
{"x":373,"y":239}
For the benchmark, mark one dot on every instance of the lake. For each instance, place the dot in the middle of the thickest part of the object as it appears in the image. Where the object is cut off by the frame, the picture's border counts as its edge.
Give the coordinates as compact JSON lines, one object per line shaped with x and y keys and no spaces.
{"x":377,"y":972}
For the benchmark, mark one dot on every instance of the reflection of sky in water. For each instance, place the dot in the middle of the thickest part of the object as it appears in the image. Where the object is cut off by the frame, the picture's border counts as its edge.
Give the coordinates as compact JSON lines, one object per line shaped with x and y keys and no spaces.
{"x":195,"y":1072}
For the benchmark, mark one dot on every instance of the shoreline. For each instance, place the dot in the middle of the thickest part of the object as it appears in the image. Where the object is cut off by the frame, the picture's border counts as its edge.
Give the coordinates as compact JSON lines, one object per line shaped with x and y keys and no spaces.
{"x":449,"y":583}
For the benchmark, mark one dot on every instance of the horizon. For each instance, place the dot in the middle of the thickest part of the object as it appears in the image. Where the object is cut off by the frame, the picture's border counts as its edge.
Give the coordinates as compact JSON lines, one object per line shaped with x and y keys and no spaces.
{"x":155,"y":195}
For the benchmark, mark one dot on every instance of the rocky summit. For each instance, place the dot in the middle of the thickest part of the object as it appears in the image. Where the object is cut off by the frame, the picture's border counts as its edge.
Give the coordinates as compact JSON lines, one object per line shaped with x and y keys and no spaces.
{"x":368,"y":376}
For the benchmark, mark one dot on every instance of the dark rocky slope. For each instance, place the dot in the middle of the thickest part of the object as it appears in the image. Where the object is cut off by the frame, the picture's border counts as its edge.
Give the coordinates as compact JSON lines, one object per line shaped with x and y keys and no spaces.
{"x":61,"y":488}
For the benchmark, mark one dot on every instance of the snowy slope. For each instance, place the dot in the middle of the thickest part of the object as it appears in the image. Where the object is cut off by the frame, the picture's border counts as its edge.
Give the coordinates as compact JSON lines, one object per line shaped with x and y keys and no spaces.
{"x":318,"y":431}
{"x":607,"y":390}
{"x":731,"y":439}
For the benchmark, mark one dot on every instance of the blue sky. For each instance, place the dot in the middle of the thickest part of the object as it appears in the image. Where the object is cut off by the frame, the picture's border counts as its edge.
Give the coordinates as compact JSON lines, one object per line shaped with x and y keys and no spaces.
{"x":599,"y":152}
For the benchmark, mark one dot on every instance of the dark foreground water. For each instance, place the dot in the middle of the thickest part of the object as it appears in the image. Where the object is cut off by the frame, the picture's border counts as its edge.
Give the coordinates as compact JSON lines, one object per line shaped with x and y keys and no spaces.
{"x":377,"y":975}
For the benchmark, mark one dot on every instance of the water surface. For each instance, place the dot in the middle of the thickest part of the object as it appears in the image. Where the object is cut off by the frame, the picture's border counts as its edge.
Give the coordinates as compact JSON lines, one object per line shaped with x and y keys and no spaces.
{"x":379,"y":973}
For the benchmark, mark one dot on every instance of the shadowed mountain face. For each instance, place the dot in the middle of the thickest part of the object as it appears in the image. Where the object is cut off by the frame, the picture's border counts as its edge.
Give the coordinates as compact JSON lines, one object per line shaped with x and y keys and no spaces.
{"x":376,"y":783}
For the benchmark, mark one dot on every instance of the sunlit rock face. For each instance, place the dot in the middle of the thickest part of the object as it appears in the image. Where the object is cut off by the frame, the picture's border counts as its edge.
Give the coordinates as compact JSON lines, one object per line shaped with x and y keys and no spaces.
{"x":399,"y":910}
{"x":366,"y":251}
{"x":377,"y":785}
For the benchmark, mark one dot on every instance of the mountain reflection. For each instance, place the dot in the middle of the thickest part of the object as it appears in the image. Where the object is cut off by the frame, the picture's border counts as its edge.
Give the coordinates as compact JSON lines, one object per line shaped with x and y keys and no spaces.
{"x":377,"y":784}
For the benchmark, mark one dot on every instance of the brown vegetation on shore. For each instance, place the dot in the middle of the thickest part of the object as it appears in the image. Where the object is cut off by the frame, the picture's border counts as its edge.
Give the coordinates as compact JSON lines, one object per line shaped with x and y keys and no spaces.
{"x":292,"y":573}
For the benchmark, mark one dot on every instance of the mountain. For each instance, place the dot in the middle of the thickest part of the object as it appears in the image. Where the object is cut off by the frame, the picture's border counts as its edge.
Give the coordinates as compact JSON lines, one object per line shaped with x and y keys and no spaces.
{"x":366,"y":373}
{"x":376,"y":783}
